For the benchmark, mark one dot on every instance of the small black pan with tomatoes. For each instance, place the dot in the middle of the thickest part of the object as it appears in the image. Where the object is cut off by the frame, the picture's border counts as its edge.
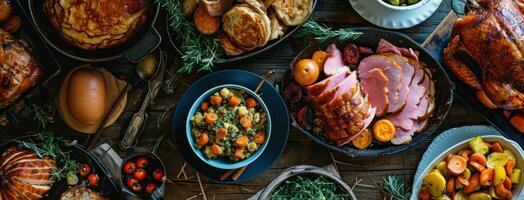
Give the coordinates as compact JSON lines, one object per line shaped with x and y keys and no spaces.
{"x":143,"y":176}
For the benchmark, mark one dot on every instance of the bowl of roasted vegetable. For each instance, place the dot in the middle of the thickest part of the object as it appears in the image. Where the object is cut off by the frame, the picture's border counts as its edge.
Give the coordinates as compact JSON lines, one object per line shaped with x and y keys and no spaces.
{"x":484,"y":167}
{"x":228,"y":126}
{"x":403,"y":4}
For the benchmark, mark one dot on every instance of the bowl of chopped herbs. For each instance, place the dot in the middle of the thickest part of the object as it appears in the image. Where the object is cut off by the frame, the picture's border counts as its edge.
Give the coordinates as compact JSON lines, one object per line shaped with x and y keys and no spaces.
{"x":307,"y":182}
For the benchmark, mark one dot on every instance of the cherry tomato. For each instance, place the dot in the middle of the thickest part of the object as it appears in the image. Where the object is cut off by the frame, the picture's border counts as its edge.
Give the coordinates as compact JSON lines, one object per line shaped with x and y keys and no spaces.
{"x":93,"y":179}
{"x":140,"y":174}
{"x":150,"y":188}
{"x":84,"y":169}
{"x":158,"y":174}
{"x":134,"y":185}
{"x":129,"y":167}
{"x":131,"y":181}
{"x":141,"y":162}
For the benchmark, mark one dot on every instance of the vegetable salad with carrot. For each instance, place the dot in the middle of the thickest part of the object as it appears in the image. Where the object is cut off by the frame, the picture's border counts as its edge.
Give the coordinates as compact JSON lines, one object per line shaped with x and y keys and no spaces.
{"x":229,"y":124}
{"x":481,"y":171}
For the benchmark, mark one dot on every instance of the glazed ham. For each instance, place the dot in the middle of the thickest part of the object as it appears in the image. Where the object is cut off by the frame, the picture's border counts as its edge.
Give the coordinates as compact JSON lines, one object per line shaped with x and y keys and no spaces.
{"x":335,"y":62}
{"x":375,"y":85}
{"x":24,"y":174}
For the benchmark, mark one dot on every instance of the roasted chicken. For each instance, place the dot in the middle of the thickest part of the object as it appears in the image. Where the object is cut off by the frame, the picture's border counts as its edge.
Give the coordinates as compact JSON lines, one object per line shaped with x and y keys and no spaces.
{"x":18,"y":69}
{"x":487,"y":51}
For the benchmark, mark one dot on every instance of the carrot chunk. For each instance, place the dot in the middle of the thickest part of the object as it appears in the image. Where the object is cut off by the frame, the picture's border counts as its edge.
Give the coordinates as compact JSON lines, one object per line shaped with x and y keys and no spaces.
{"x":509,"y":166}
{"x":486,"y":177}
{"x":456,"y":165}
{"x":495,"y":147}
{"x":473,"y":183}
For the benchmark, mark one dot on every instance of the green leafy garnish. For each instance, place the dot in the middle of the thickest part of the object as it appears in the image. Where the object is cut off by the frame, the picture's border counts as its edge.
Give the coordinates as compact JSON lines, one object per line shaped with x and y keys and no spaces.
{"x":315,"y":188}
{"x":323,"y":34}
{"x":199,"y":52}
{"x":396,"y":188}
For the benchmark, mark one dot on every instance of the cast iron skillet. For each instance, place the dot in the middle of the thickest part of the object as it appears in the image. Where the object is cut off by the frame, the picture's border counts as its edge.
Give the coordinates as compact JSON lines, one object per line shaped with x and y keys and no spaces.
{"x":370,"y":38}
{"x":41,"y":52}
{"x":227,"y":59}
{"x":106,"y":185}
{"x":143,"y":42}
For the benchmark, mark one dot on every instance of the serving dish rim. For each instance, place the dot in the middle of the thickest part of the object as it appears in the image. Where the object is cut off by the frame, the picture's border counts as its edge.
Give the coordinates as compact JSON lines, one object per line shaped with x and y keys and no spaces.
{"x":220,"y":163}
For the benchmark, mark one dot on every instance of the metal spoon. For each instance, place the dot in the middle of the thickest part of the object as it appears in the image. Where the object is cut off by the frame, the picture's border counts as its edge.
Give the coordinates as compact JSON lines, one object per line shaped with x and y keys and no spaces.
{"x":150,"y":69}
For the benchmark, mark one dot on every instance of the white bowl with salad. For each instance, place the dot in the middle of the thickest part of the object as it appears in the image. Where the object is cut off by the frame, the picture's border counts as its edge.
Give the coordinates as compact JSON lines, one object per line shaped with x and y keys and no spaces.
{"x":479,"y":168}
{"x":403,"y":4}
{"x":228,"y":126}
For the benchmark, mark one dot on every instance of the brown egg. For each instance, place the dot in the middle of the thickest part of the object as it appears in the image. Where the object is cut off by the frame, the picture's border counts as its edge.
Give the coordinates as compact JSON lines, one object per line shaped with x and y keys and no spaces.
{"x":86,"y":96}
{"x":5,"y":10}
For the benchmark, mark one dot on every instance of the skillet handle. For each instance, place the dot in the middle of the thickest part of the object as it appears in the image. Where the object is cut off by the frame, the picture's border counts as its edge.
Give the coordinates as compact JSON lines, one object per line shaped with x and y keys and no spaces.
{"x":148,"y":44}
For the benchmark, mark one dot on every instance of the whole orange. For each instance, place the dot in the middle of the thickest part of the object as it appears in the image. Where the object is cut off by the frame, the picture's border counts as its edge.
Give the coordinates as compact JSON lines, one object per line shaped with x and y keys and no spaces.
{"x":306,"y":72}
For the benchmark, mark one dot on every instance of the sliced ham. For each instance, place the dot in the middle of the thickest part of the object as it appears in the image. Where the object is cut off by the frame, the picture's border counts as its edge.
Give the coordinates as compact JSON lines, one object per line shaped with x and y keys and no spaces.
{"x":386,"y":47}
{"x":375,"y":86}
{"x":344,"y":86}
{"x":404,"y":118}
{"x":409,"y":53}
{"x":326,"y":84}
{"x":408,"y":71}
{"x":366,"y":123}
{"x":403,"y":136}
{"x":391,"y":69}
{"x":334,"y":63}
{"x":422,"y":124}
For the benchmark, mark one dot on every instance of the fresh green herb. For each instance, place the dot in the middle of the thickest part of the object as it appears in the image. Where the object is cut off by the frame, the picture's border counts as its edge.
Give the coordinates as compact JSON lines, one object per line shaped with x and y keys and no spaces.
{"x":157,"y":143}
{"x":40,"y":116}
{"x":318,"y":188}
{"x":396,"y":188}
{"x":199,"y":52}
{"x":46,"y":146}
{"x":323,"y":34}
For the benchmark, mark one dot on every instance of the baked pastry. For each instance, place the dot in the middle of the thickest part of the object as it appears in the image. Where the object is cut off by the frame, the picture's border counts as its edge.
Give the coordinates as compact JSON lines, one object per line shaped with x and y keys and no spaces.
{"x":96,"y":24}
{"x":277,"y":27}
{"x":80,"y":192}
{"x":293,"y":12}
{"x":247,"y":26}
{"x":230,"y":48}
{"x":18,"y":69}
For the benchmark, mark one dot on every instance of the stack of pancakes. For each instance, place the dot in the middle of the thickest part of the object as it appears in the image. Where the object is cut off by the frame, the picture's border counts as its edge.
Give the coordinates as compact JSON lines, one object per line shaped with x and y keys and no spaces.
{"x":96,"y":24}
{"x":249,"y":24}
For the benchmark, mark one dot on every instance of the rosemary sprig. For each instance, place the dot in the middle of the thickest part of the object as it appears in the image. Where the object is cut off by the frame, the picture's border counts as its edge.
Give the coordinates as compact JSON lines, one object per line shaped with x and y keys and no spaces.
{"x":40,"y":116}
{"x":396,"y":188}
{"x":47,"y":146}
{"x":318,"y":188}
{"x":199,"y":52}
{"x":323,"y":34}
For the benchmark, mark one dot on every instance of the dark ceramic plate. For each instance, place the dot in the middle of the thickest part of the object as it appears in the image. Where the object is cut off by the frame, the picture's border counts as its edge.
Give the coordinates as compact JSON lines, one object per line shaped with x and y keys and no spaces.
{"x":277,"y":110}
{"x":443,"y":96}
{"x":106,"y":186}
{"x":41,"y":51}
{"x":141,"y":43}
{"x":227,"y":59}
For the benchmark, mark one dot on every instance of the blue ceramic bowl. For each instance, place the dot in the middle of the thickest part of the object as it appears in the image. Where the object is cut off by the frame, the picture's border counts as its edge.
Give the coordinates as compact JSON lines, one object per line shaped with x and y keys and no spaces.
{"x":224,"y":163}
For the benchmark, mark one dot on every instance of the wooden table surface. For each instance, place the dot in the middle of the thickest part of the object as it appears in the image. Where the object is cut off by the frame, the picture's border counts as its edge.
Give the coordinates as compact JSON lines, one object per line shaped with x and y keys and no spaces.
{"x":300,"y":149}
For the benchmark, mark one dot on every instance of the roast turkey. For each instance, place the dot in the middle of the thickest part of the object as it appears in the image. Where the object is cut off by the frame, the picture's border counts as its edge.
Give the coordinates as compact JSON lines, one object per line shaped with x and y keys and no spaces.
{"x":18,"y":69}
{"x":24,"y":175}
{"x":492,"y":36}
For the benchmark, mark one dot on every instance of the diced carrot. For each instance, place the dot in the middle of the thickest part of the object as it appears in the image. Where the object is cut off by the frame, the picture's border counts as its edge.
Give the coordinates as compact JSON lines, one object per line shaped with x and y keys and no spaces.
{"x":462,"y":180}
{"x":486,"y":177}
{"x":478,"y":161}
{"x":204,"y":106}
{"x":216,"y":100}
{"x":518,"y":122}
{"x":509,"y":167}
{"x":203,"y":139}
{"x":450,"y":187}
{"x":473,"y":183}
{"x":507,"y":183}
{"x":211,"y":118}
{"x":259,"y":138}
{"x":233,"y":101}
{"x":216,"y":149}
{"x":221,"y":133}
{"x":241,"y":141}
{"x":456,"y":165}
{"x":502,"y":192}
{"x":239,"y":153}
{"x":251,"y":103}
{"x":466,"y":153}
{"x":495,"y":147}
{"x":246,"y":121}
{"x":424,"y":194}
